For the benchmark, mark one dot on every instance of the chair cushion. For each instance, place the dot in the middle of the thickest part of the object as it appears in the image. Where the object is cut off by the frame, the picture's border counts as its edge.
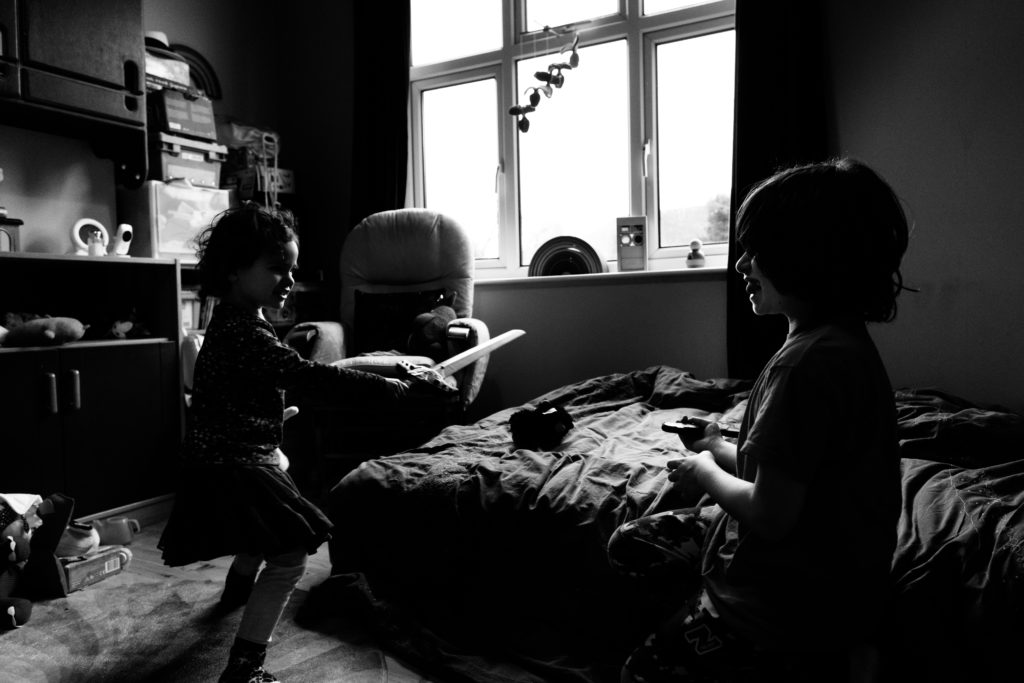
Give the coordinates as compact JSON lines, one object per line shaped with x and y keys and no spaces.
{"x":406,"y":250}
{"x":384,"y":321}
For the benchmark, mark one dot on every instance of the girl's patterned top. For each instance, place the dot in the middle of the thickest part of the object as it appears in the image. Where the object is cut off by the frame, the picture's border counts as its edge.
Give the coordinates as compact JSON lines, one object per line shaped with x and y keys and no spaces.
{"x":238,"y":400}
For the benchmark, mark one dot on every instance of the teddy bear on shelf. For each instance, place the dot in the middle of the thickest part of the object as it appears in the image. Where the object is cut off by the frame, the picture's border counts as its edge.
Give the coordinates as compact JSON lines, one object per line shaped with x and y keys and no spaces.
{"x":27,"y":329}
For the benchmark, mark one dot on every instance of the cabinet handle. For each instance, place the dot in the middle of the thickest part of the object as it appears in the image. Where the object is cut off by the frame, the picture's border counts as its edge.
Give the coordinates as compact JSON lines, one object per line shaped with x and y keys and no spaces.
{"x":76,"y":390}
{"x":51,"y":387}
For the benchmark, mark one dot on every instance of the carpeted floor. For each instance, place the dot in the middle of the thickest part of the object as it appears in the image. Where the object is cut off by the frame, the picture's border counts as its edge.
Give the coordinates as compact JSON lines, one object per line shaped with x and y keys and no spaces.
{"x":154,"y":624}
{"x":142,"y":630}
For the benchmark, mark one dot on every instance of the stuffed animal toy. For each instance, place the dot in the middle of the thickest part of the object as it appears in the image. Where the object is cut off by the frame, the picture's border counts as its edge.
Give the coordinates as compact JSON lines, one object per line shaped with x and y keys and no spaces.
{"x":127,"y":328}
{"x":30,"y":330}
{"x":428,"y":335}
{"x":30,"y":529}
{"x":16,"y":525}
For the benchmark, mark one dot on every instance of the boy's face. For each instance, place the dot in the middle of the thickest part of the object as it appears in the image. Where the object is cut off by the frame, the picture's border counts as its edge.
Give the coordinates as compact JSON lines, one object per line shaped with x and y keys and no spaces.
{"x":268,"y":281}
{"x":765,"y":299}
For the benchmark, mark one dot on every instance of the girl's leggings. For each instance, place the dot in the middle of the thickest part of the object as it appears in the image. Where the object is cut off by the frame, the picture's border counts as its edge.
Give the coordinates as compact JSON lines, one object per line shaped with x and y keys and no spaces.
{"x":271,"y":592}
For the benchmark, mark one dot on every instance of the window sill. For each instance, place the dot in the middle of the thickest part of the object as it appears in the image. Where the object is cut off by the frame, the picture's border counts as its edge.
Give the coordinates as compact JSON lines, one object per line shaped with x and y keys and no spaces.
{"x":658,"y":270}
{"x":630,"y":277}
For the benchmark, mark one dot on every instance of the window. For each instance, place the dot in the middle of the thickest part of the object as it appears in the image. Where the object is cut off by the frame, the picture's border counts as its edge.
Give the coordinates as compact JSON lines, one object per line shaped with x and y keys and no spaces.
{"x":642,"y":126}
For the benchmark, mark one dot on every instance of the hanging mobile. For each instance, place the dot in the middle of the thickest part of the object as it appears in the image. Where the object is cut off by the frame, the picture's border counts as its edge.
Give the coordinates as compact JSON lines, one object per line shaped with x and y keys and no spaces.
{"x":552,"y":78}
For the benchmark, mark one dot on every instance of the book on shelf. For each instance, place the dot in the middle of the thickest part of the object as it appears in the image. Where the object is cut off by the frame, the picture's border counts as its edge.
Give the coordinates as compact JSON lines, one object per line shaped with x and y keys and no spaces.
{"x":206,"y":311}
{"x":190,"y":309}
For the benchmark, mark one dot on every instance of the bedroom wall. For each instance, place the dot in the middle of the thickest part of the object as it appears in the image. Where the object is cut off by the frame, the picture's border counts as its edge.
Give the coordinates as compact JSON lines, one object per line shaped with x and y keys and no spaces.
{"x":241,"y":41}
{"x":587,"y":325}
{"x":930,"y":93}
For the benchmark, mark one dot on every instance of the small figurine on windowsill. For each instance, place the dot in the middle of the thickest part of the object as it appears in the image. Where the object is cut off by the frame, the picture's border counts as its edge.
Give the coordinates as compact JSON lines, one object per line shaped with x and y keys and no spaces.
{"x":695,"y":259}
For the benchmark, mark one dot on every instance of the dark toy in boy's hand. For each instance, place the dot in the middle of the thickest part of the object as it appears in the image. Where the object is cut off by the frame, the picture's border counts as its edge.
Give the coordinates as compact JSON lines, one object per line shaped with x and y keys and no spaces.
{"x":692,"y":428}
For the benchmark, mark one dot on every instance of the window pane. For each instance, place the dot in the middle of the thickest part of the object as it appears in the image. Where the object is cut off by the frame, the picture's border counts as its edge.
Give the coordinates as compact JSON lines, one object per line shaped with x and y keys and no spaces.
{"x":574,"y":161}
{"x":541,"y":13}
{"x":440,"y":29}
{"x":460,"y":159}
{"x":695,"y":111}
{"x":656,"y":6}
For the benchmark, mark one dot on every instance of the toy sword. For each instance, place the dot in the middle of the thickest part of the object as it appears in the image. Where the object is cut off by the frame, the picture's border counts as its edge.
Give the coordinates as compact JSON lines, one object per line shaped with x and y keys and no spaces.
{"x":440,"y":376}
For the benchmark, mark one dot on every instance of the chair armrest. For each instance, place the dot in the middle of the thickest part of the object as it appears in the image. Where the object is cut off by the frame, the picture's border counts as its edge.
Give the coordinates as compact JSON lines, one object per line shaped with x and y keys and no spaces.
{"x":471,"y":377}
{"x":322,"y":341}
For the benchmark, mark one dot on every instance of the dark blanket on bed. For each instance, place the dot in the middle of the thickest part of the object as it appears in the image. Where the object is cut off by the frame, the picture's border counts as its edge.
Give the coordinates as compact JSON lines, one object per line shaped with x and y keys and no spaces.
{"x":958,"y":571}
{"x":487,"y":562}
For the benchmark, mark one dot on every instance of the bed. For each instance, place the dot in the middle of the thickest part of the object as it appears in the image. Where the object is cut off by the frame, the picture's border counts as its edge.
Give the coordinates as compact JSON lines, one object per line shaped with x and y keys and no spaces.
{"x":479,"y":561}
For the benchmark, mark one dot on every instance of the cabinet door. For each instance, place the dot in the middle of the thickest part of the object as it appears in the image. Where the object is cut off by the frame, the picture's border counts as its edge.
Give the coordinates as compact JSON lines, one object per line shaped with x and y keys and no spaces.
{"x":101,"y":40}
{"x":120,"y":408}
{"x":30,"y":454}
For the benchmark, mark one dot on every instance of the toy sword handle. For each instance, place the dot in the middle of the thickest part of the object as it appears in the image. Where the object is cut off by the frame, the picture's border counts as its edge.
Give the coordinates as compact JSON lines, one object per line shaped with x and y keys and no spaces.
{"x":440,"y":376}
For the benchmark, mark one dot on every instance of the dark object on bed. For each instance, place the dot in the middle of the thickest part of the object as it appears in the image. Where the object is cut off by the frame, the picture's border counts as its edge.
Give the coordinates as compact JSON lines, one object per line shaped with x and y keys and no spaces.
{"x":487,"y":561}
{"x":540,"y":427}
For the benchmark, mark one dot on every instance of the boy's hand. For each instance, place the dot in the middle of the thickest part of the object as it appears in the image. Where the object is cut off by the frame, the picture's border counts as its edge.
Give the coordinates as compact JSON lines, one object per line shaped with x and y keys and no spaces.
{"x":683,"y":472}
{"x":398,"y":387}
{"x":698,"y":441}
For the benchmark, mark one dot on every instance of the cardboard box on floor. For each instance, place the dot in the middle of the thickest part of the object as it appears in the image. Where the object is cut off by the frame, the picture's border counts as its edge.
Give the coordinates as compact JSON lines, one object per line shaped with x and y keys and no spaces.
{"x":89,"y":569}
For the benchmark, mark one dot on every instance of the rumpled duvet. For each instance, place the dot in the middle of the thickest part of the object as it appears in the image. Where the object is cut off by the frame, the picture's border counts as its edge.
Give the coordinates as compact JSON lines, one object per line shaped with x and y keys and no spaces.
{"x":483,"y":562}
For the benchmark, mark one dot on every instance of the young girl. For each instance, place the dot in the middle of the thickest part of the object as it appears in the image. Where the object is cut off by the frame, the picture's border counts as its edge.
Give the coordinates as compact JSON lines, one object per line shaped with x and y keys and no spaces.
{"x":234,"y":497}
{"x":795,"y":563}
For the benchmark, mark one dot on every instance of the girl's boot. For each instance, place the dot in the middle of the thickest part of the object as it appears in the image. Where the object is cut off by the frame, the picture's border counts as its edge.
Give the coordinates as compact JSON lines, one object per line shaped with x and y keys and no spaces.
{"x":245,"y":664}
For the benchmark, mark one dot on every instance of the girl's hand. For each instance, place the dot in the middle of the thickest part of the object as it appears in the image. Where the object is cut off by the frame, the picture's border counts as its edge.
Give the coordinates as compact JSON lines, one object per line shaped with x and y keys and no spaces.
{"x":284,"y":463}
{"x":398,"y":387}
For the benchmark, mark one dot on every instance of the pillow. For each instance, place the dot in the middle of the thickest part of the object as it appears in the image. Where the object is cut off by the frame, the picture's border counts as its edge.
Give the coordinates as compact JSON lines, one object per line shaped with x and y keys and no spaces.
{"x":383,"y":322}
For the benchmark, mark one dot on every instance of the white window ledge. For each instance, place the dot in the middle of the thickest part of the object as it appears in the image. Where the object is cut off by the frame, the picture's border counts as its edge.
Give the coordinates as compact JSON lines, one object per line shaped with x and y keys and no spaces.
{"x":657,"y":269}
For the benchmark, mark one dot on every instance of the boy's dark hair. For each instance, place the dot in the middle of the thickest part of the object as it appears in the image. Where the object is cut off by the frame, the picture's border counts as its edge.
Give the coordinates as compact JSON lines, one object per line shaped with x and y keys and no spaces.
{"x":235,"y":239}
{"x":831,"y":233}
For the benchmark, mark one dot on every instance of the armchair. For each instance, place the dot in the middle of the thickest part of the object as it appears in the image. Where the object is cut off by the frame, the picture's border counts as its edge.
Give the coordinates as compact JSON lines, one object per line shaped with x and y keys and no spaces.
{"x":395,"y":265}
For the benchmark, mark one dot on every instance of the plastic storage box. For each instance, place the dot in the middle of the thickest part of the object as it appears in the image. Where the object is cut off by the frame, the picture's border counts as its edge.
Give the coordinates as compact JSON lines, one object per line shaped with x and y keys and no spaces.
{"x":193,"y":160}
{"x":168,"y":216}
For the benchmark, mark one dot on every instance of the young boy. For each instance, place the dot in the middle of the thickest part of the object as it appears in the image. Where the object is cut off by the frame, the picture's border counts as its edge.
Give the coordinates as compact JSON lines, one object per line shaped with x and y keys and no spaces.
{"x":795,"y":566}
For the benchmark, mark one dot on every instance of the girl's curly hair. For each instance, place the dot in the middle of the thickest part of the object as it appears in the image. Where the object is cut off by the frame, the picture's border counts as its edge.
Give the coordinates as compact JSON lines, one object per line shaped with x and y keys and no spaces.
{"x":235,"y":239}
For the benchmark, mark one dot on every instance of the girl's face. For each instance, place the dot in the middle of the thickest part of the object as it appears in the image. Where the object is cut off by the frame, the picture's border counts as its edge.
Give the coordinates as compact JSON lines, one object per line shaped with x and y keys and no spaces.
{"x":267,"y":282}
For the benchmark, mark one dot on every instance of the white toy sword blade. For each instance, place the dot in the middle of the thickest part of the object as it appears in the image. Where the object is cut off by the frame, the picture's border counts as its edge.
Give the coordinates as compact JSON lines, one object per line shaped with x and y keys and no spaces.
{"x":440,"y":375}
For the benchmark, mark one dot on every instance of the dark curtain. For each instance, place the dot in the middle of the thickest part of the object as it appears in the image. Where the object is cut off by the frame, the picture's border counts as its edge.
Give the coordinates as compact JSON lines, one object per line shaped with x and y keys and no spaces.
{"x":780,"y":120}
{"x":380,"y":105}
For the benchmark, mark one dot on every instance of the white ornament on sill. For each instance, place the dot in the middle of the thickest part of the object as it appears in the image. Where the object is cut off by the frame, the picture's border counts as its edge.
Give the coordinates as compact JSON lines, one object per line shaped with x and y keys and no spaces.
{"x":695,"y":259}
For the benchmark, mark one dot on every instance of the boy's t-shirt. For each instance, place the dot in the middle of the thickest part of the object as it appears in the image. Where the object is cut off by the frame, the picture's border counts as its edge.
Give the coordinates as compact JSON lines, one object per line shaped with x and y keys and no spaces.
{"x":822,"y":411}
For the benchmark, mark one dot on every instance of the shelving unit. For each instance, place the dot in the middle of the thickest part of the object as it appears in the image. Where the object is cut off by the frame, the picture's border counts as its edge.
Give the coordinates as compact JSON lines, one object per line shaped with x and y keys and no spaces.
{"x":99,"y":419}
{"x":76,"y":69}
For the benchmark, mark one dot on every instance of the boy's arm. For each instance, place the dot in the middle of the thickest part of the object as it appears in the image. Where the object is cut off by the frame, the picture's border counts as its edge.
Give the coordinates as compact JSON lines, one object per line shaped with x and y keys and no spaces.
{"x":770,"y":505}
{"x":724,"y":453}
{"x":711,"y":440}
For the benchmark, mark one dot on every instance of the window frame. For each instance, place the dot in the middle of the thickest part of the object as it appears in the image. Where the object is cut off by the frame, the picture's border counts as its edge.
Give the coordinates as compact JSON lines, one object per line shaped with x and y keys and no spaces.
{"x":643,"y":34}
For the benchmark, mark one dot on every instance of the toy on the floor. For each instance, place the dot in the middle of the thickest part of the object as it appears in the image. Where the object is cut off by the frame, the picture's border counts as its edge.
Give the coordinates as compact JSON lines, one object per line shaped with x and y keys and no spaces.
{"x":18,"y":519}
{"x":30,"y":529}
